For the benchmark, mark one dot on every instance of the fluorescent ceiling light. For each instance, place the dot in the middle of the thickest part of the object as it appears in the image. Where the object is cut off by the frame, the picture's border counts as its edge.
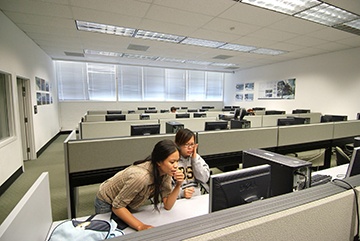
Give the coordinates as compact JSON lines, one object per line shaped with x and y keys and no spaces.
{"x":237,"y":47}
{"x":104,"y":28}
{"x":284,"y":6}
{"x":198,"y":62}
{"x":158,"y":36}
{"x":224,"y":64}
{"x":103,"y":53}
{"x":171,"y":60}
{"x":268,"y":51}
{"x":327,"y":15}
{"x":202,"y":42}
{"x":354,"y":24}
{"x":138,"y":56}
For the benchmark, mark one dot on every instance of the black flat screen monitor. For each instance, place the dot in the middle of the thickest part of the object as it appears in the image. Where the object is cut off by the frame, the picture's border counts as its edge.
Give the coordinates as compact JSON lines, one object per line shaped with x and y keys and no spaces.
{"x":199,"y":115}
{"x":300,"y":111}
{"x":215,"y":125}
{"x":292,"y":121}
{"x":274,"y":112}
{"x":354,"y":165}
{"x":142,"y":108}
{"x":115,"y":117}
{"x":182,"y":115}
{"x":150,"y":111}
{"x":114,"y":112}
{"x":144,"y":130}
{"x":164,"y":111}
{"x":192,"y":110}
{"x":233,"y":188}
{"x":333,"y":118}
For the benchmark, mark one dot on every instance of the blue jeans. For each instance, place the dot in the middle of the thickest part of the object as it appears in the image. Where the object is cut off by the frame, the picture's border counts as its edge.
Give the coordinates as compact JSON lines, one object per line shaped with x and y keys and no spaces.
{"x":101,"y":206}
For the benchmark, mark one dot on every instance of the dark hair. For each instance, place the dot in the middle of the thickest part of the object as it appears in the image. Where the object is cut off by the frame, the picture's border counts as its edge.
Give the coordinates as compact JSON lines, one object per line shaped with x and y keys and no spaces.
{"x":173,"y":108}
{"x":183,"y":136}
{"x":162,"y":150}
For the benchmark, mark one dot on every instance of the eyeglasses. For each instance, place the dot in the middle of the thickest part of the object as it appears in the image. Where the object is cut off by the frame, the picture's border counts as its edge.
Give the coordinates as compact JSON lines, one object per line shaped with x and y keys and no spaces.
{"x":189,"y":145}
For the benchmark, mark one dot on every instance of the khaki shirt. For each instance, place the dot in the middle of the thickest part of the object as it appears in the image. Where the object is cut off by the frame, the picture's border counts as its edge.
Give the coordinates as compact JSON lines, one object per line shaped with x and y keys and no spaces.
{"x":132,"y":186}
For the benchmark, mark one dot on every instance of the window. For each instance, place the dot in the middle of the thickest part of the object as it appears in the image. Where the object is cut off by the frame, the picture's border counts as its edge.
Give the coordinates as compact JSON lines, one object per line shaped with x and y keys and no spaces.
{"x":5,"y":106}
{"x":107,"y":82}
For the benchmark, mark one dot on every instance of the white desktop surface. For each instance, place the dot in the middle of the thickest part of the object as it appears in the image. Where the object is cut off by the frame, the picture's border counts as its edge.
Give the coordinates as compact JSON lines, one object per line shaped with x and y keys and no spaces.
{"x":336,"y":172}
{"x":182,"y":209}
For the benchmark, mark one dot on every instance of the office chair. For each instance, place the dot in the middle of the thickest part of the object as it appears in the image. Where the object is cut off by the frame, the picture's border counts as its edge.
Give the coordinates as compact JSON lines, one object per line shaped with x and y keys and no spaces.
{"x":341,"y":157}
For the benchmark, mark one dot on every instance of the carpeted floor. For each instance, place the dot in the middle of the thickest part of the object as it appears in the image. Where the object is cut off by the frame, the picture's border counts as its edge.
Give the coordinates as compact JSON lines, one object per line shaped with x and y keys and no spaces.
{"x":52,"y":161}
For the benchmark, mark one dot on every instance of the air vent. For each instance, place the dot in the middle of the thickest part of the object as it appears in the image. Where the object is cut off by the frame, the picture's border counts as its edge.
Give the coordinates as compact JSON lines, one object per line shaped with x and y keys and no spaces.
{"x":137,"y":47}
{"x":222,"y":56}
{"x":74,"y":54}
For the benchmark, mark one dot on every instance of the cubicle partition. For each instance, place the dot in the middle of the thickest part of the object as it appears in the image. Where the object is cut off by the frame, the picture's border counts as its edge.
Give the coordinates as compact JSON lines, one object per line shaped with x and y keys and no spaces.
{"x":194,"y":124}
{"x":94,"y":160}
{"x":104,"y":129}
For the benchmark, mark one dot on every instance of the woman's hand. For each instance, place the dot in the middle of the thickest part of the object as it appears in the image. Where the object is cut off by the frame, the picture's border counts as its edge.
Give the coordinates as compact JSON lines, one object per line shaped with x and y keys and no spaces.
{"x":188,"y":192}
{"x":179,"y":177}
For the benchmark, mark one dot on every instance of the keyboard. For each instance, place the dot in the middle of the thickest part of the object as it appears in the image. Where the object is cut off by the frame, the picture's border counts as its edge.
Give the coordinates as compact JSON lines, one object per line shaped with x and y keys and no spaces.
{"x":319,"y":179}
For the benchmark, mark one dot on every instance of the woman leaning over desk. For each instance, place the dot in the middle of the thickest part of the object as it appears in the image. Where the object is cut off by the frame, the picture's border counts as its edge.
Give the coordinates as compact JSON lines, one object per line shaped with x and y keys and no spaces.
{"x":150,"y":178}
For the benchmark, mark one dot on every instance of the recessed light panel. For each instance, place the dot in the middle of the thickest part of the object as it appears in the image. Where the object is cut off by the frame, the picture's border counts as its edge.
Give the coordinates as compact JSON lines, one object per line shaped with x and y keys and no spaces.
{"x":268,"y":51}
{"x":104,"y":28}
{"x":284,"y":6}
{"x":202,"y":42}
{"x":103,"y":53}
{"x":158,"y":36}
{"x":327,"y":15}
{"x":237,"y":47}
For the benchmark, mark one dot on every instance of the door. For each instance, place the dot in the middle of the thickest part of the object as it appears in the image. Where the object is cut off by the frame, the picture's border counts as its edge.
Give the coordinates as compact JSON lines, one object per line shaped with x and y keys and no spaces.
{"x":24,"y":100}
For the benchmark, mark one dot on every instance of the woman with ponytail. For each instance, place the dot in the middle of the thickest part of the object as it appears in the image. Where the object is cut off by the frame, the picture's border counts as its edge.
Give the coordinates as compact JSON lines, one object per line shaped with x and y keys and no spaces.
{"x":150,"y":178}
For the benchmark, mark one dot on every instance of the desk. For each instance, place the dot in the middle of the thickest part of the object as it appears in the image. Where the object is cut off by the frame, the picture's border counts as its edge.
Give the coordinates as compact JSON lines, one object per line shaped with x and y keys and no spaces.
{"x":336,"y":172}
{"x":182,"y":209}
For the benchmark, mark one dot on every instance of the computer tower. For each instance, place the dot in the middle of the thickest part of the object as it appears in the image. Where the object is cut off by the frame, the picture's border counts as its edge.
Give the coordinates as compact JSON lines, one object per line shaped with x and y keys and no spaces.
{"x":240,"y":124}
{"x":288,"y":174}
{"x":173,"y":126}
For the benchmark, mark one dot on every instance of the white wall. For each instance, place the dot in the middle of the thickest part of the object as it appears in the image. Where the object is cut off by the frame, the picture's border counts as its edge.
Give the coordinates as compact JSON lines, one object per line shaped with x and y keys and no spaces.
{"x":328,"y":83}
{"x":21,"y":57}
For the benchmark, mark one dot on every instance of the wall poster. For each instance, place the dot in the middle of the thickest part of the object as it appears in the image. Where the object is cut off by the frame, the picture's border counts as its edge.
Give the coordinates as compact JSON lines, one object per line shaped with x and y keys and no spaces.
{"x":244,"y":92}
{"x":280,"y":89}
{"x":43,"y":94}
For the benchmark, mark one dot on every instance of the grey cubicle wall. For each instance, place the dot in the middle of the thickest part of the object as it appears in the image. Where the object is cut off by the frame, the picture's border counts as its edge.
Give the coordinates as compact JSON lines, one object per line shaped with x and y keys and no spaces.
{"x":217,"y":142}
{"x":31,"y":219}
{"x":271,"y":120}
{"x":296,"y":134}
{"x":88,"y":155}
{"x":346,"y":129}
{"x":110,"y":128}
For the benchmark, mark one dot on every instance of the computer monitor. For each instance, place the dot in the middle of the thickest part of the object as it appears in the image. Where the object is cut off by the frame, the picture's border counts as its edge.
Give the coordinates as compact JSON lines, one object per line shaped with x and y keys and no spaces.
{"x":192,"y":110}
{"x":150,"y":111}
{"x":144,"y":117}
{"x":233,"y":188}
{"x":215,"y":125}
{"x":274,"y":112}
{"x":292,"y":121}
{"x":199,"y":115}
{"x":144,"y":129}
{"x":354,"y":165}
{"x":115,"y":117}
{"x":300,"y":111}
{"x":358,"y":116}
{"x":131,"y":111}
{"x":258,"y":108}
{"x":164,"y":111}
{"x":114,"y":112}
{"x":239,"y":114}
{"x":142,"y":108}
{"x":182,"y":115}
{"x":333,"y":118}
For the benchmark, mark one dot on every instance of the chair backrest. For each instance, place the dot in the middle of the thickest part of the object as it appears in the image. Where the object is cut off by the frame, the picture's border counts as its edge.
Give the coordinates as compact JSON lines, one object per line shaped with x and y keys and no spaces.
{"x":341,"y":157}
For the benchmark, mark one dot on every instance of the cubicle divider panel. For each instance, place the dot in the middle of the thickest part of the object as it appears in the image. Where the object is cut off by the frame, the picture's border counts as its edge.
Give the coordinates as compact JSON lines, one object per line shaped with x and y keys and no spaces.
{"x":256,"y":120}
{"x":194,"y":124}
{"x":345,"y":129}
{"x":31,"y":219}
{"x":110,"y":128}
{"x":227,"y":141}
{"x":271,"y":120}
{"x":94,"y":118}
{"x":88,"y":155}
{"x":297,"y":134}
{"x":96,"y":112}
